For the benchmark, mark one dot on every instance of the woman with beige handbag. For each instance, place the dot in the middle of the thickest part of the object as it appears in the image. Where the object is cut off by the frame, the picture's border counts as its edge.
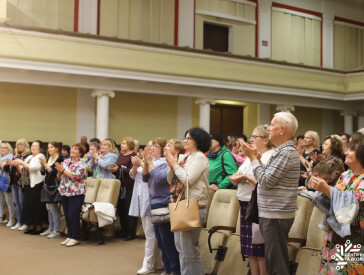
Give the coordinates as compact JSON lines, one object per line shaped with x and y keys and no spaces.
{"x":191,"y":169}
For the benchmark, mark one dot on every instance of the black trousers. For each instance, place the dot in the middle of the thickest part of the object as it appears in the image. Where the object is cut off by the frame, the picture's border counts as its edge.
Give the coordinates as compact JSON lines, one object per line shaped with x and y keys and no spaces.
{"x":72,"y":209}
{"x":32,"y":206}
{"x":128,"y":223}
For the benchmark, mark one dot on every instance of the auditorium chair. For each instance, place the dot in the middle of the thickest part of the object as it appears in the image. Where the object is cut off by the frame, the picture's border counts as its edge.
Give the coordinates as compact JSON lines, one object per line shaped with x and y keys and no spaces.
{"x":107,"y":192}
{"x":221,"y":223}
{"x":233,"y":263}
{"x":298,"y":234}
{"x":309,"y":256}
{"x":208,"y":204}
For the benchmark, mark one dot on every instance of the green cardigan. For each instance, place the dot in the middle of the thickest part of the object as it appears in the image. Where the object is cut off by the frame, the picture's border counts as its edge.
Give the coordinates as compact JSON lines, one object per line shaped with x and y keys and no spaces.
{"x":215,"y":172}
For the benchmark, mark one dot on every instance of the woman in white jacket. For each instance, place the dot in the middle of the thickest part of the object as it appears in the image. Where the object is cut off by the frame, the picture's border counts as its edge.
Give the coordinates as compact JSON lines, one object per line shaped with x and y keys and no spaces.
{"x":32,"y":207}
{"x":195,"y":166}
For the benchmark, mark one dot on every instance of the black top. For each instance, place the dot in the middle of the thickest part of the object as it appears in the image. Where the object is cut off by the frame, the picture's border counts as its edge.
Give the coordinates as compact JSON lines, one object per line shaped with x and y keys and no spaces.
{"x":14,"y":175}
{"x":51,"y":176}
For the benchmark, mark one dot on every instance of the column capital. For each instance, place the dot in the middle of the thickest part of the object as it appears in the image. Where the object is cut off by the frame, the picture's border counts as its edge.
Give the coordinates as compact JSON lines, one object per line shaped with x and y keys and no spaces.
{"x":328,"y":17}
{"x":100,"y":93}
{"x":348,"y":113}
{"x":203,"y":101}
{"x":265,"y":4}
{"x":285,"y":108}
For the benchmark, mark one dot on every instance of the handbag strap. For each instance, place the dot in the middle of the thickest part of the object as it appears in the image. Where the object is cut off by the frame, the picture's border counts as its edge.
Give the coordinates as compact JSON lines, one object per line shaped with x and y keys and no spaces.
{"x":180,"y":194}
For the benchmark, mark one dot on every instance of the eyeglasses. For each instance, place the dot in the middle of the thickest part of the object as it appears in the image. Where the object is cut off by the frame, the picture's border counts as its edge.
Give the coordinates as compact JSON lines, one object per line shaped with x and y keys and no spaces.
{"x":3,"y":147}
{"x":255,"y":137}
{"x":187,"y":138}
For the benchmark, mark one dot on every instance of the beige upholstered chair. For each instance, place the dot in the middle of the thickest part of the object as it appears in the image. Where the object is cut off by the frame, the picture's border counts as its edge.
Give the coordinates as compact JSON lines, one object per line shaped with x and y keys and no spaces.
{"x":309,"y":257}
{"x":208,"y":204}
{"x":108,"y":191}
{"x":233,"y":263}
{"x":223,"y":212}
{"x":298,"y":234}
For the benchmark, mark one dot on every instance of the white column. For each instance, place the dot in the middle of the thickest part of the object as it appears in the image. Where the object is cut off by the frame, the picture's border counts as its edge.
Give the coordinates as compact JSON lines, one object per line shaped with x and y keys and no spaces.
{"x":186,"y":14}
{"x":348,"y":121}
{"x":360,"y":121}
{"x":328,"y":40}
{"x":205,"y":112}
{"x":102,"y":118}
{"x":263,"y":113}
{"x":86,"y":114}
{"x":285,"y":108}
{"x":87,"y":16}
{"x":184,"y":115}
{"x":264,"y":28}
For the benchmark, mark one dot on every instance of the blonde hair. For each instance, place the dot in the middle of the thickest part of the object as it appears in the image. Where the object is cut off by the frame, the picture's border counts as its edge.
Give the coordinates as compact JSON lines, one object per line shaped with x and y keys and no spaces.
{"x":110,"y":144}
{"x":10,"y":149}
{"x":130,"y":142}
{"x":263,"y":131}
{"x":177,"y":145}
{"x":27,"y":147}
{"x":315,"y":136}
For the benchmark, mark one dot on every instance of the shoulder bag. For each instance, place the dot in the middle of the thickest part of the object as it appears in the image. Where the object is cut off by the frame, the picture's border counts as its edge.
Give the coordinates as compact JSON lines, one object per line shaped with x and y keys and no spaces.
{"x":50,"y":193}
{"x":252,"y":209}
{"x":160,"y":215}
{"x":24,"y":176}
{"x":184,"y":214}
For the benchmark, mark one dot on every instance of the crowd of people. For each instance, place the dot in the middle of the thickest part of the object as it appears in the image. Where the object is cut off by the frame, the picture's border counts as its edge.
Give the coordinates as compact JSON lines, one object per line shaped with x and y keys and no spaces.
{"x":273,"y":163}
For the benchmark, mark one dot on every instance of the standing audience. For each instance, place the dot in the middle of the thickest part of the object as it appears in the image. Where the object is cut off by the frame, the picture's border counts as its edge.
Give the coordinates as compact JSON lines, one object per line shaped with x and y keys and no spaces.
{"x":72,"y":174}
{"x":51,"y":183}
{"x":32,"y":207}
{"x":279,"y":176}
{"x":6,"y":153}
{"x":155,"y":173}
{"x":191,"y":169}
{"x":22,"y":151}
{"x":106,"y":159}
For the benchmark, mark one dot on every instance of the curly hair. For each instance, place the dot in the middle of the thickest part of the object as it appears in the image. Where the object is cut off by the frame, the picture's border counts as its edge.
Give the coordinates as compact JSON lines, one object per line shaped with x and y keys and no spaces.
{"x":336,"y":145}
{"x":201,"y":137}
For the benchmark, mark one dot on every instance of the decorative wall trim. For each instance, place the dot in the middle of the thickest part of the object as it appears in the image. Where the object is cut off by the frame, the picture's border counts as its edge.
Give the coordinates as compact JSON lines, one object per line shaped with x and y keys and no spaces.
{"x":349,"y":25}
{"x":226,"y":16}
{"x":306,"y":15}
{"x":245,"y":2}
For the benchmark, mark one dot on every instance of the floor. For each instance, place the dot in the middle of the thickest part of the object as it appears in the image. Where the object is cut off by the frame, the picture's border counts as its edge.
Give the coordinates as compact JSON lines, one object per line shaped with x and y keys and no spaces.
{"x":24,"y":254}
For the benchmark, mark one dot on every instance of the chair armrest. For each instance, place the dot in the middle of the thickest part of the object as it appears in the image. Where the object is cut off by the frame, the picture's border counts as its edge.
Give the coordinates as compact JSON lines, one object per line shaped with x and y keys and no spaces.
{"x":213,"y":229}
{"x":297,"y":240}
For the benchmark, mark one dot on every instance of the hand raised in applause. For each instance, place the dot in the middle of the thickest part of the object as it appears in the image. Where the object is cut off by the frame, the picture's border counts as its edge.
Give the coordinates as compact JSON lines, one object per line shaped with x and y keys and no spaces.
{"x":250,"y":151}
{"x":136,"y":160}
{"x":59,"y":167}
{"x":171,"y":159}
{"x":113,"y":168}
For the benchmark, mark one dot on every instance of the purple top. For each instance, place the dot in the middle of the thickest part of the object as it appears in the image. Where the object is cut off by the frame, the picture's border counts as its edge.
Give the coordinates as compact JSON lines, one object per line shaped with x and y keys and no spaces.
{"x":158,"y":185}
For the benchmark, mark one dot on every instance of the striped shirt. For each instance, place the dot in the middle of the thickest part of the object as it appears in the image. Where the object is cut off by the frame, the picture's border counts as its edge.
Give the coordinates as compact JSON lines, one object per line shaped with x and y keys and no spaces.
{"x":278,"y":182}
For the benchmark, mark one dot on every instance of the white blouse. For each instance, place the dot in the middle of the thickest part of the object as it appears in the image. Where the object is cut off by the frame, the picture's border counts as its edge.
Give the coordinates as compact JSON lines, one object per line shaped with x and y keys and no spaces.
{"x":35,"y":175}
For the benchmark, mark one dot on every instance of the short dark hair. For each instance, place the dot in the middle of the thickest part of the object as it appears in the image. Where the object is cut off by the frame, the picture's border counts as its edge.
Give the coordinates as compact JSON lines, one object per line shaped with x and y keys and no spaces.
{"x":81,"y":148}
{"x":95,"y":140}
{"x":357,"y":145}
{"x":336,"y":145}
{"x":66,"y":148}
{"x":347,"y":136}
{"x":300,"y":137}
{"x":201,"y":137}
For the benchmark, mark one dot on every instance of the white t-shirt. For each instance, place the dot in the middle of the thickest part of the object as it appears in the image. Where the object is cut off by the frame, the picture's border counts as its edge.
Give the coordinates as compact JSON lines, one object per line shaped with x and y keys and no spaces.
{"x":246,"y":188}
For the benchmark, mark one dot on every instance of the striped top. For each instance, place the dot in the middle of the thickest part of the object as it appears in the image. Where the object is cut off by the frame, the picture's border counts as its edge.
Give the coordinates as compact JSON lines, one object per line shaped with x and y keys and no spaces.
{"x":278,"y":182}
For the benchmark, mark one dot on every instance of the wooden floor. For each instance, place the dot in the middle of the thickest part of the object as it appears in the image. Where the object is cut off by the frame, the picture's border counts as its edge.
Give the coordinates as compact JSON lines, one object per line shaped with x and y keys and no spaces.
{"x":24,"y":254}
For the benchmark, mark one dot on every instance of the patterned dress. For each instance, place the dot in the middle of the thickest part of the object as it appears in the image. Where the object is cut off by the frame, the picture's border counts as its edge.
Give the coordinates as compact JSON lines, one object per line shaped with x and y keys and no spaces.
{"x":348,"y":181}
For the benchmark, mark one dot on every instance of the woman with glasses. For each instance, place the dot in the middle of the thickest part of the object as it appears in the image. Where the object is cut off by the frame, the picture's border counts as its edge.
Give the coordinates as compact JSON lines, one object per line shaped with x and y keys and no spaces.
{"x":193,"y":169}
{"x":22,"y":151}
{"x":246,"y":182}
{"x":5,"y":195}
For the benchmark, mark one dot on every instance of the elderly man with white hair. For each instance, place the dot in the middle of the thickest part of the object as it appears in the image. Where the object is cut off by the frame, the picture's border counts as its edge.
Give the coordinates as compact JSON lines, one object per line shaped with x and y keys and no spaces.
{"x":277,"y":191}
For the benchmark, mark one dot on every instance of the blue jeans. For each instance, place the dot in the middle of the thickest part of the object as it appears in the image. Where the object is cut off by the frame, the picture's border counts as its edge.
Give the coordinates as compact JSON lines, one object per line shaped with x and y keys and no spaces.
{"x":72,"y":209}
{"x":53,"y":216}
{"x":166,"y":244}
{"x":18,"y":198}
{"x":189,"y":255}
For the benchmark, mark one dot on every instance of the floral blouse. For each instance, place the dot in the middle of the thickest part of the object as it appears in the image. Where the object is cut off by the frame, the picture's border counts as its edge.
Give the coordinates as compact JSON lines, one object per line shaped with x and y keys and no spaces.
{"x":76,"y":185}
{"x":348,"y":181}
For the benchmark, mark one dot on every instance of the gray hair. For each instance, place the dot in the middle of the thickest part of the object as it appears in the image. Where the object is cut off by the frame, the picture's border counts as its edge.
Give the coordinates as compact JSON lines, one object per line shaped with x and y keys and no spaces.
{"x":361,"y":130}
{"x":288,"y":120}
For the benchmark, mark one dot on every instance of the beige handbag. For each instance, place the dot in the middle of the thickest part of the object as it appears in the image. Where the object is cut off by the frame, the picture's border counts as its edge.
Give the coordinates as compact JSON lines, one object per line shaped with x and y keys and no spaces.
{"x":184,"y":214}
